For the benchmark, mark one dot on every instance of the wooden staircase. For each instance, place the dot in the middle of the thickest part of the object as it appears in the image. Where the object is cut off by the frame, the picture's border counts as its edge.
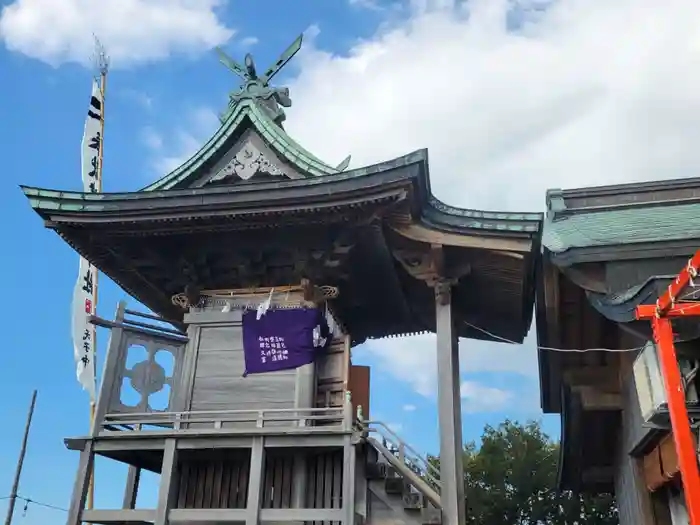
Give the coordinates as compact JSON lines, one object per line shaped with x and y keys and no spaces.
{"x":402,"y":485}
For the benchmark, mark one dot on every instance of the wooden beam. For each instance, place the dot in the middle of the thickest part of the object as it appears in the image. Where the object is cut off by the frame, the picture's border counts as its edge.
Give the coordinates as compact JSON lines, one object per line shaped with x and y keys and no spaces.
{"x":593,"y":398}
{"x":606,"y":377}
{"x":420,"y":233}
{"x":120,"y":516}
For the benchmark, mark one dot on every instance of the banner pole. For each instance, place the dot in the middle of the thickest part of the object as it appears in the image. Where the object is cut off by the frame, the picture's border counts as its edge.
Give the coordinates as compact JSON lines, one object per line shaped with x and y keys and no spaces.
{"x":91,"y":486}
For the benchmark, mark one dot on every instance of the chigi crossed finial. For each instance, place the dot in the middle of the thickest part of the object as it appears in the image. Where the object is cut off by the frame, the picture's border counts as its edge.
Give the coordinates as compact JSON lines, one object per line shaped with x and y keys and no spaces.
{"x":257,"y":87}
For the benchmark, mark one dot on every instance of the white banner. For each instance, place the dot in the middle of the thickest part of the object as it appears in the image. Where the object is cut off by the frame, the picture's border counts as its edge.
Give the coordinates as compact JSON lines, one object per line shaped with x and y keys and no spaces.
{"x":84,"y":294}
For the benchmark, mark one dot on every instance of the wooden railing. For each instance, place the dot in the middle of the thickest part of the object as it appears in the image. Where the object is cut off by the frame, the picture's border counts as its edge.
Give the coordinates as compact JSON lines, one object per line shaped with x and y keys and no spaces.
{"x":416,"y":468}
{"x":311,"y":419}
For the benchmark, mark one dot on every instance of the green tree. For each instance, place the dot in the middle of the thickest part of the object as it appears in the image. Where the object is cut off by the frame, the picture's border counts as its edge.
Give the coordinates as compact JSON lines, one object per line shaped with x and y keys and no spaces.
{"x":510,"y":479}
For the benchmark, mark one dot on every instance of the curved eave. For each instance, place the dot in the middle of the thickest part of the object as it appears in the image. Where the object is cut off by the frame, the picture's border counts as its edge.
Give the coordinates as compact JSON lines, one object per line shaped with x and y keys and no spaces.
{"x":410,"y":171}
{"x":275,"y":136}
{"x":529,"y":224}
{"x":286,"y":196}
{"x":621,"y":307}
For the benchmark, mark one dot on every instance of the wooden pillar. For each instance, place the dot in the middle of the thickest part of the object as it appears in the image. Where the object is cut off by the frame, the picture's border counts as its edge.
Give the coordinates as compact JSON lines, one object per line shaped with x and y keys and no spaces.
{"x":132,"y":487}
{"x":80,"y":488}
{"x":449,"y":410}
{"x":168,"y":485}
{"x":255,"y":480}
{"x":348,"y":481}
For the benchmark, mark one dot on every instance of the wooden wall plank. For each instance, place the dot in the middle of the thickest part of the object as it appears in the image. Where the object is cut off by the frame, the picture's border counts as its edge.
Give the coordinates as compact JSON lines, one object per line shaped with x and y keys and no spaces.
{"x":225,"y":490}
{"x":633,"y":499}
{"x":218,"y":380}
{"x":286,"y":484}
{"x":328,"y":482}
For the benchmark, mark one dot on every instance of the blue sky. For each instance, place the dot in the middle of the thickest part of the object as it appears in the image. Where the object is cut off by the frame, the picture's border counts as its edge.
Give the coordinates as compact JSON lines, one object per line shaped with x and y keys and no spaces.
{"x":510,"y":97}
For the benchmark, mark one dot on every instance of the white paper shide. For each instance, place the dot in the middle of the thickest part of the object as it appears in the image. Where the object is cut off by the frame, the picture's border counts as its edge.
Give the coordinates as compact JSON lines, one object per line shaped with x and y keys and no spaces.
{"x":84,"y":294}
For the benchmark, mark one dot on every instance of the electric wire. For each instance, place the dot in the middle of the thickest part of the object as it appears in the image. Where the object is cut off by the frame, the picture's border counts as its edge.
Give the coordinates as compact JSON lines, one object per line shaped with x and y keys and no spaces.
{"x":29,"y":501}
{"x":552,"y":349}
{"x":688,"y":299}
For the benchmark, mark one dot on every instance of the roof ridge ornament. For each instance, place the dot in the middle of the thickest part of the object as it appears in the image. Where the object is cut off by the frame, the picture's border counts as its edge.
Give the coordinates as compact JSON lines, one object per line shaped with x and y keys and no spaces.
{"x":257,"y":88}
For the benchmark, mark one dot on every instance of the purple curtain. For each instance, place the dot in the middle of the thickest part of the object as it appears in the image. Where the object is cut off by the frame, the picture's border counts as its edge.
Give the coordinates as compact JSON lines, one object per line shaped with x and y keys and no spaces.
{"x":283,"y":338}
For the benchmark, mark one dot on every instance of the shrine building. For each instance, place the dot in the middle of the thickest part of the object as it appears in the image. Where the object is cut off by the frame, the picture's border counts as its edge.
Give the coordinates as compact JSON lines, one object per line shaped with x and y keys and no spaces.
{"x":606,"y":251}
{"x":269,"y":265}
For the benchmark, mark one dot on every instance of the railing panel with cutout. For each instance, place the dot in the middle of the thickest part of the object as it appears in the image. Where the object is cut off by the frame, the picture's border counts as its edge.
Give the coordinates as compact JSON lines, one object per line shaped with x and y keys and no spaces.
{"x":145,"y":362}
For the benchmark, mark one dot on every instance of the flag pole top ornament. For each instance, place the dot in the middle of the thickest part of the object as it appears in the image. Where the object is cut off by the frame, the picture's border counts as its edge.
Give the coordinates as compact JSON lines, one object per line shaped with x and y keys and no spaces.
{"x":257,"y":88}
{"x":100,"y":58}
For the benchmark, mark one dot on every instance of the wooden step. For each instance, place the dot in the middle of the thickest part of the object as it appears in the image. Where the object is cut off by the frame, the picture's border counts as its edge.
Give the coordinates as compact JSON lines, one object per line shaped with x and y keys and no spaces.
{"x":431,"y":516}
{"x":395,"y":486}
{"x":376,"y":470}
{"x":412,"y":500}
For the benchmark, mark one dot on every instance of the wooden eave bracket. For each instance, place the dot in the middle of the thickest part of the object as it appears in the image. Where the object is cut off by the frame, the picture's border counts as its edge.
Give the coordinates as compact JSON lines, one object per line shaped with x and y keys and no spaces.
{"x":311,"y":293}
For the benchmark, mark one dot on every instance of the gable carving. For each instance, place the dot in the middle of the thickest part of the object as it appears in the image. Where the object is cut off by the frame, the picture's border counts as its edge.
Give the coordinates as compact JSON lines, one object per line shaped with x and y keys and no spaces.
{"x":248,"y":162}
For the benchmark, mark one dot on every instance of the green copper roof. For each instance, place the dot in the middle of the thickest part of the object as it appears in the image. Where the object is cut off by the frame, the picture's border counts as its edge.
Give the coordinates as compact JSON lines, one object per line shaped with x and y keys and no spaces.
{"x":255,"y":103}
{"x":621,"y":226}
{"x":271,"y":132}
{"x":411,"y":168}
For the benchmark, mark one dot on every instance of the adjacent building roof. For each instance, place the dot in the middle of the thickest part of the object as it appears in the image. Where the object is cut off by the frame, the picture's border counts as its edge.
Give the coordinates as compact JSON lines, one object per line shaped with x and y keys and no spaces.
{"x":606,"y":250}
{"x":582,"y":224}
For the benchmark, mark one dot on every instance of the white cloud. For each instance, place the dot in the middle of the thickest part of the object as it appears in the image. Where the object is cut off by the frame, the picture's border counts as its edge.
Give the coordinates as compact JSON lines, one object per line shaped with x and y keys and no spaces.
{"x":583,"y":93}
{"x":409,"y":408}
{"x":248,"y":42}
{"x":133,"y":31}
{"x":140,"y":98}
{"x":374,"y":5}
{"x":414,"y":359}
{"x":479,"y":398}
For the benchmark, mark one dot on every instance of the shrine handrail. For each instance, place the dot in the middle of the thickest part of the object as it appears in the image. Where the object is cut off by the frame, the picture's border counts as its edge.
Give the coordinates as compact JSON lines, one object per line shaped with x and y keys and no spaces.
{"x":176,"y":419}
{"x":406,"y":454}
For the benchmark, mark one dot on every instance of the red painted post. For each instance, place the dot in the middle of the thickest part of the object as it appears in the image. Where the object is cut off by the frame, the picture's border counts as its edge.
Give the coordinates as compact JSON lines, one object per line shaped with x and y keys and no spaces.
{"x":680,"y":424}
{"x":660,"y":314}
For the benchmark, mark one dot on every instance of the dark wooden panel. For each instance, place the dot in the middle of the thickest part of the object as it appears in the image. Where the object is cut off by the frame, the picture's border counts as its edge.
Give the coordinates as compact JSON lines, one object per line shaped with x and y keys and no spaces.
{"x":277,"y":486}
{"x":359,"y":389}
{"x":324,"y":473}
{"x":213,"y":482}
